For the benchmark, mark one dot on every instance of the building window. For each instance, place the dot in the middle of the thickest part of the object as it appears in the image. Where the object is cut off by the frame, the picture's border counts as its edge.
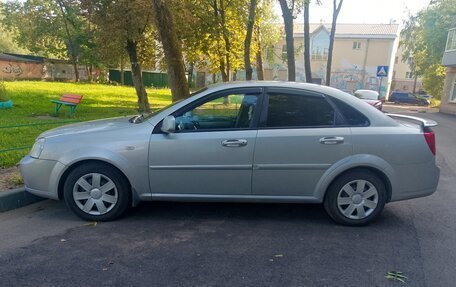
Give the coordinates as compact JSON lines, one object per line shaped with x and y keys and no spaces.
{"x":319,"y":54}
{"x":356,"y":45}
{"x":409,"y":60}
{"x":453,"y":93}
{"x":394,"y":74}
{"x":408,"y":75}
{"x":396,"y":60}
{"x":451,"y":40}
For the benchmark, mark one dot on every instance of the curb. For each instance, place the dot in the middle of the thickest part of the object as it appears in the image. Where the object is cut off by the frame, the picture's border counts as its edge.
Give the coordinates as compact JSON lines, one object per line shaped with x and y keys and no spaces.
{"x":16,"y":198}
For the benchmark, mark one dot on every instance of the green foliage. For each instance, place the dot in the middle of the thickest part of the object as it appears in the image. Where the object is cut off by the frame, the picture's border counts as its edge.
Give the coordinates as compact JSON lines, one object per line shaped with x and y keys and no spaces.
{"x":424,"y":37}
{"x":33,"y":105}
{"x":433,"y":80}
{"x":3,"y":92}
{"x":113,"y":23}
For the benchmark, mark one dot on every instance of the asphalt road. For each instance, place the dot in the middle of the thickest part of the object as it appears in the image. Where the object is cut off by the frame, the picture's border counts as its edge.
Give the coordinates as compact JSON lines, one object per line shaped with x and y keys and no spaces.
{"x":196,"y":244}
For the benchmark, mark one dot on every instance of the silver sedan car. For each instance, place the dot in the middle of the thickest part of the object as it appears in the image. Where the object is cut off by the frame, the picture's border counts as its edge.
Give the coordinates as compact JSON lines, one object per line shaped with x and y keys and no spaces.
{"x":249,"y":142}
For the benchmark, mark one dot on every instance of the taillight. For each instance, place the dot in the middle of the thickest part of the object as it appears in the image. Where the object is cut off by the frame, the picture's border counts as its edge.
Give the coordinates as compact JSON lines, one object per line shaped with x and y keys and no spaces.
{"x":430,"y":139}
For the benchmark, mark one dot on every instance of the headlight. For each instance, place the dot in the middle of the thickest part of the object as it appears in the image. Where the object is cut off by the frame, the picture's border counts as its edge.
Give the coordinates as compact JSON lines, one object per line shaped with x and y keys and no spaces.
{"x":37,"y":148}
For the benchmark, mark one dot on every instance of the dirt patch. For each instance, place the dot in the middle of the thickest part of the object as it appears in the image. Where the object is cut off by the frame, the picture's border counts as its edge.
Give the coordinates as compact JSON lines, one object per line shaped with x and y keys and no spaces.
{"x":45,"y":117}
{"x":10,"y":178}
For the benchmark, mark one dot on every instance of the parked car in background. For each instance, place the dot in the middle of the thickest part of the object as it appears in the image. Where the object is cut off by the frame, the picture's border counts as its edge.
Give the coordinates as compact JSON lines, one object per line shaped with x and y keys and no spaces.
{"x":407,"y":98}
{"x":424,"y":95}
{"x":370,"y":97}
{"x":244,"y":142}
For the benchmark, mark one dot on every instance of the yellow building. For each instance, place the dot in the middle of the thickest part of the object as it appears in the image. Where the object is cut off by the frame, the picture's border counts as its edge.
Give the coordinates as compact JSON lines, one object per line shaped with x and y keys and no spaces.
{"x":403,"y":78}
{"x":358,"y":50}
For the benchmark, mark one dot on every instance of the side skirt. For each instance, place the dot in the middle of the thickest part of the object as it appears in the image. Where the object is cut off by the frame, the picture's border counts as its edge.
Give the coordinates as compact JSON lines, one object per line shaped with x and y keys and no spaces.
{"x":229,"y":198}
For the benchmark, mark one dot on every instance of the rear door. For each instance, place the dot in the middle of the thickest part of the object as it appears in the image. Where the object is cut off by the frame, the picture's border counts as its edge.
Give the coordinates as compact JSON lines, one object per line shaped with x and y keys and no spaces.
{"x":298,"y":140}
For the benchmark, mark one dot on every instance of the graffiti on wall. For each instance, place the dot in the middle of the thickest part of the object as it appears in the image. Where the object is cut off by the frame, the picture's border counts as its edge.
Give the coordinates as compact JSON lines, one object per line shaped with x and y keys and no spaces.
{"x":354,"y":79}
{"x":12,"y":69}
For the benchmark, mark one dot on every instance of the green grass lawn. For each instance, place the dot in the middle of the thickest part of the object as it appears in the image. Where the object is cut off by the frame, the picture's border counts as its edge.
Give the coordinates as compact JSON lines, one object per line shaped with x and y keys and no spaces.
{"x":32,"y":105}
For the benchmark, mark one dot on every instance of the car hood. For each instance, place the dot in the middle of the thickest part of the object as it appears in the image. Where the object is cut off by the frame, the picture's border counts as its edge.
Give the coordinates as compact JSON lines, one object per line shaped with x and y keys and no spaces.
{"x":90,"y":127}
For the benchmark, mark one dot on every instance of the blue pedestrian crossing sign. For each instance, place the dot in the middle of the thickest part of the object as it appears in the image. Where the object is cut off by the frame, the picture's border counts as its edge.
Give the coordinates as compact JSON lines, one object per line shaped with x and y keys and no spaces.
{"x":382,"y":71}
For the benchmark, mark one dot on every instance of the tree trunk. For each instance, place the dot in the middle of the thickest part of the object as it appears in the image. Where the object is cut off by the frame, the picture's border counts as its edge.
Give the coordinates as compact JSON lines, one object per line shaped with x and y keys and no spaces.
{"x":122,"y":72}
{"x":225,"y":75}
{"x":248,"y":41}
{"x":307,"y":67}
{"x":288,"y":20}
{"x":336,"y":10}
{"x":75,"y":67}
{"x":226,"y":39}
{"x":136,"y":73}
{"x":414,"y":83}
{"x":69,"y":44}
{"x":164,"y":23}
{"x":190,"y":74}
{"x":259,"y":57}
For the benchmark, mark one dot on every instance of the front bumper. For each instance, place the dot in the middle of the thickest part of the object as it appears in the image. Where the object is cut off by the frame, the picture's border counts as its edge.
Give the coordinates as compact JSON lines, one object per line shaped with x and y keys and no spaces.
{"x":41,"y":177}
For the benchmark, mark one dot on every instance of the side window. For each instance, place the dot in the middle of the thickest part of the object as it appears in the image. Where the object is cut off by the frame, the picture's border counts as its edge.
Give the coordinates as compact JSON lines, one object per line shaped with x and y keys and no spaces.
{"x":226,"y":112}
{"x":289,"y":110}
{"x":352,"y":116}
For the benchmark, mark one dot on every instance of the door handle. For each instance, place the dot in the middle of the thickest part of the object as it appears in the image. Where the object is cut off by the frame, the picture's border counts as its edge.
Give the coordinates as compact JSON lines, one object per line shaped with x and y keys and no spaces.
{"x":331,"y":140}
{"x":234,"y":143}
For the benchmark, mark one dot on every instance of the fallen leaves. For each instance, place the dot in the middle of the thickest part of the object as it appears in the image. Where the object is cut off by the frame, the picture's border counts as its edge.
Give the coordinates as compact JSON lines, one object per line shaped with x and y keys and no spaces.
{"x":396,"y":275}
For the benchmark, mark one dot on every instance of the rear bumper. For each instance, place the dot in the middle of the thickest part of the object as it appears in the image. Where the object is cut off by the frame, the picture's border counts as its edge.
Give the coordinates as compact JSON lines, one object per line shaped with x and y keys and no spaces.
{"x":422,"y":183}
{"x":41,"y":177}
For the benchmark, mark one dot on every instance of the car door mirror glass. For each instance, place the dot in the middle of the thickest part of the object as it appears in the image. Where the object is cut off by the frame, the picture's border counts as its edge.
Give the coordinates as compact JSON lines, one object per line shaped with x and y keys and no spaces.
{"x":169,"y":125}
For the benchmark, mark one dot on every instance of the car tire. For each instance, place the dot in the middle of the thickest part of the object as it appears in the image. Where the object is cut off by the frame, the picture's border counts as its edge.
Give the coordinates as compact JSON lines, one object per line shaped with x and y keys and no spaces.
{"x":355,"y":198}
{"x":97,"y":192}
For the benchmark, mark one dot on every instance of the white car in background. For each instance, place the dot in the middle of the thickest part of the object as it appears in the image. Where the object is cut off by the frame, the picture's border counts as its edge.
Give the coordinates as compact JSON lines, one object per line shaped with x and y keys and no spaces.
{"x":371,"y":97}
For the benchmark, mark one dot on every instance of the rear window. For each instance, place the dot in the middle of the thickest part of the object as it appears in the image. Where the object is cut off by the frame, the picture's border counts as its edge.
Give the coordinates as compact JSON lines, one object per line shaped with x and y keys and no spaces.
{"x":352,"y":116}
{"x":290,"y":110}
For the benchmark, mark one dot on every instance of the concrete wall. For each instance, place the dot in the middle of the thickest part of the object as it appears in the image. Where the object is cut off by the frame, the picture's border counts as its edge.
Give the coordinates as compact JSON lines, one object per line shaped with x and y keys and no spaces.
{"x":22,"y":70}
{"x":63,"y":72}
{"x":15,"y":70}
{"x":446,"y":105}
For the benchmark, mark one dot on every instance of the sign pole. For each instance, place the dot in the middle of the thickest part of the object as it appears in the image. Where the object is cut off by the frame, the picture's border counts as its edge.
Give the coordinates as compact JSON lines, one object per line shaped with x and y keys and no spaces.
{"x":380,"y":86}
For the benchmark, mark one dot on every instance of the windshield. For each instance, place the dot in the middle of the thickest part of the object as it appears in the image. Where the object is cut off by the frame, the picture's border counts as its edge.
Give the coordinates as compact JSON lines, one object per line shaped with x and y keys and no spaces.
{"x":367,"y":95}
{"x":173,"y":103}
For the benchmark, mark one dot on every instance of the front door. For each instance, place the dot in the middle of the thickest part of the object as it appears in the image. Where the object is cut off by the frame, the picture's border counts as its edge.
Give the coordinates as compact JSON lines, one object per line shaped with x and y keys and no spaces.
{"x":211,"y":152}
{"x":298,"y":140}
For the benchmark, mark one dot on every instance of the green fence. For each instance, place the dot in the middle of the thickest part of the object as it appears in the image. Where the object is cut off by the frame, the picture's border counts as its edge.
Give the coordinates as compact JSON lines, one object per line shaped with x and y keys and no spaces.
{"x":15,"y":148}
{"x":150,"y":79}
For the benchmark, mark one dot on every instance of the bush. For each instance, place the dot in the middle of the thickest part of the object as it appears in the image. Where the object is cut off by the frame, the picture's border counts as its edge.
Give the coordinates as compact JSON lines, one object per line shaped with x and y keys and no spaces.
{"x":3,"y":93}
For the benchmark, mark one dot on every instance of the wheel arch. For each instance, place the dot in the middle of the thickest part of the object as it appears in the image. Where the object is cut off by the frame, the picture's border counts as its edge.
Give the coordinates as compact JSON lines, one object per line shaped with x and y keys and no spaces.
{"x":374,"y":164}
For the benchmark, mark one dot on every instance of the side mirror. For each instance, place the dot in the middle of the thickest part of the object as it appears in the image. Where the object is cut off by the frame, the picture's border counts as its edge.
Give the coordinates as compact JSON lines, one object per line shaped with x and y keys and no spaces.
{"x":169,"y":125}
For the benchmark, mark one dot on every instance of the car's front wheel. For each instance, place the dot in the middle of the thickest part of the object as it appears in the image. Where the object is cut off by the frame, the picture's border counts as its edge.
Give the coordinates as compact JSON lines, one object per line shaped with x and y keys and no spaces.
{"x":355,"y":198}
{"x":97,"y":192}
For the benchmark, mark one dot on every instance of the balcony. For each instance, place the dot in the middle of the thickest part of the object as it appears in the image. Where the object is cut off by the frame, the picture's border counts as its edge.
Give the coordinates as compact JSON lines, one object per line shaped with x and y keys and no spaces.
{"x":449,"y":56}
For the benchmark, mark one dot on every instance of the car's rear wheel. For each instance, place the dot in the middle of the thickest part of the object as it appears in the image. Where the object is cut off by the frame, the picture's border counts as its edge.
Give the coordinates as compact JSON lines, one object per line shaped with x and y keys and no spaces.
{"x":97,"y":192}
{"x":355,"y":198}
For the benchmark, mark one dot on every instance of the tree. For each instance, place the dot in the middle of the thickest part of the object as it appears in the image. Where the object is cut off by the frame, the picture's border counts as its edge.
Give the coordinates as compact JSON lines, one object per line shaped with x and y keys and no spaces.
{"x":423,"y":40}
{"x":248,"y":40}
{"x":49,"y":28}
{"x":217,"y":36}
{"x":307,"y":67}
{"x":164,"y":23}
{"x":336,"y":11}
{"x":289,"y":9}
{"x":267,"y":34}
{"x":123,"y":27}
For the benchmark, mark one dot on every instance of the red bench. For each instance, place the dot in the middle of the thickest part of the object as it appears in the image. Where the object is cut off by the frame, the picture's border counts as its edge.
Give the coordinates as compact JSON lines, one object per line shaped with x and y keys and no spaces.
{"x":69,"y":100}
